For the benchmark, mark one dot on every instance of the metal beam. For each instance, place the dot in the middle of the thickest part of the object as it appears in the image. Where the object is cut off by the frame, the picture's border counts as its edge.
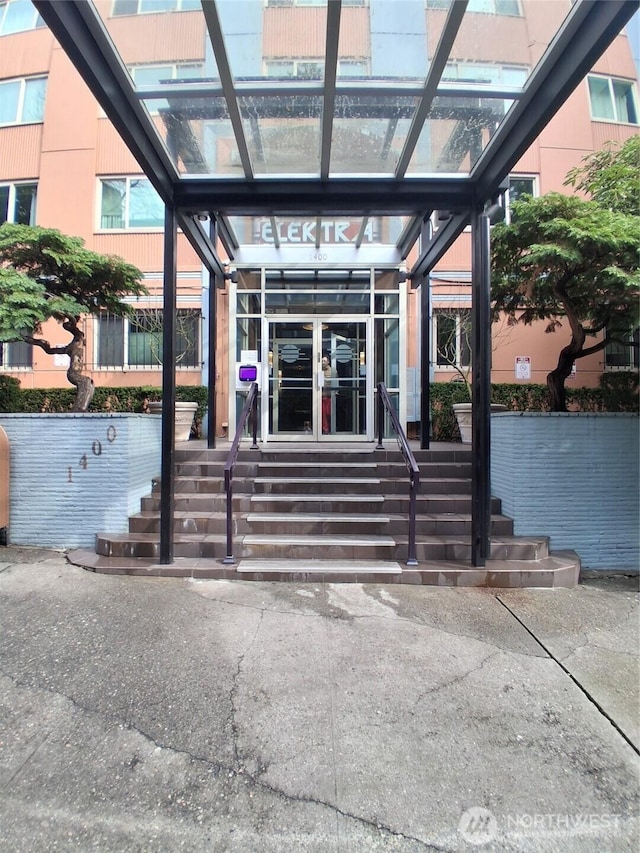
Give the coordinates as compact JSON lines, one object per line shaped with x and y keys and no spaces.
{"x":447,"y":37}
{"x":588,"y":30}
{"x":200,"y":241}
{"x":212,"y":335}
{"x":83,"y":37}
{"x":330,"y":73}
{"x":442,"y":240}
{"x":312,"y":196}
{"x":214,"y":27}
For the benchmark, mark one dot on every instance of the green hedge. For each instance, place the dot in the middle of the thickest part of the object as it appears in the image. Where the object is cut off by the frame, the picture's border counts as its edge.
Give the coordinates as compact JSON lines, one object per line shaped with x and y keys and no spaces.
{"x":133,"y":399}
{"x":618,"y":392}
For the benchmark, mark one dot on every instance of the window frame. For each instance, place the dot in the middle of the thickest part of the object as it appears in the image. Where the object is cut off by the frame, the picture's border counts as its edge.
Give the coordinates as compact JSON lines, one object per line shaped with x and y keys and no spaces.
{"x":22,"y":99}
{"x":611,"y":81}
{"x":12,"y":200}
{"x":176,"y":6}
{"x":7,"y":359}
{"x":456,"y":314}
{"x":36,"y":20}
{"x":126,"y":329}
{"x":126,"y":206}
{"x":633,"y":355}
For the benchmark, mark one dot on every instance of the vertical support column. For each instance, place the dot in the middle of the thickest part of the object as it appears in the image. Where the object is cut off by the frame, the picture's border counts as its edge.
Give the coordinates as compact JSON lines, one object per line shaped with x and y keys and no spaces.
{"x":213,"y":336}
{"x":481,"y":389}
{"x":425,"y":362}
{"x":426,"y":232}
{"x":167,"y":467}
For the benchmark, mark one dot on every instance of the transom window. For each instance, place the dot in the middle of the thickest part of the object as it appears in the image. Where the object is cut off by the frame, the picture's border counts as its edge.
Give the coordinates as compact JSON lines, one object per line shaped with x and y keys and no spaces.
{"x":16,"y":16}
{"x":18,"y":203}
{"x":613,"y":99}
{"x":22,"y":100}
{"x":129,"y":203}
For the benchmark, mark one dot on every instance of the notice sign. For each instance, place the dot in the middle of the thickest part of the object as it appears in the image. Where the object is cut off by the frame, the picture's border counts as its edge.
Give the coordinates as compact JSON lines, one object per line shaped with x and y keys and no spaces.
{"x":523,"y":367}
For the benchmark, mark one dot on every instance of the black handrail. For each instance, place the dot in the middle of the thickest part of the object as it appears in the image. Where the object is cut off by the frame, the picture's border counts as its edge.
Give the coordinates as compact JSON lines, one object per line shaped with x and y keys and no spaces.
{"x":384,"y":402}
{"x":250,"y":410}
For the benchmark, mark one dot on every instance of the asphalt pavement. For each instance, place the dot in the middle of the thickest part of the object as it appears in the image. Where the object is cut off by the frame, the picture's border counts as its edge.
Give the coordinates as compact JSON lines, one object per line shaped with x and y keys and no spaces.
{"x":141,"y":714}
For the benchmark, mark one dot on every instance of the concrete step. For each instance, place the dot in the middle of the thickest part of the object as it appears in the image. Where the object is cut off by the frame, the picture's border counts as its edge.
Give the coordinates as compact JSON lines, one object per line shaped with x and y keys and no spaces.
{"x":560,"y":569}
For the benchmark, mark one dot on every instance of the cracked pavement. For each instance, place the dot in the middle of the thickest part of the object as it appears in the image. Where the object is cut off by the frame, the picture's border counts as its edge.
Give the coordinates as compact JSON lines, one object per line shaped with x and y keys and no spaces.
{"x":165,"y":715}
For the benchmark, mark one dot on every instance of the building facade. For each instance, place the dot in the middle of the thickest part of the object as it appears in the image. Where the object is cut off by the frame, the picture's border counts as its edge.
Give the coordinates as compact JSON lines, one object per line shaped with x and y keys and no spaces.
{"x":301,"y":288}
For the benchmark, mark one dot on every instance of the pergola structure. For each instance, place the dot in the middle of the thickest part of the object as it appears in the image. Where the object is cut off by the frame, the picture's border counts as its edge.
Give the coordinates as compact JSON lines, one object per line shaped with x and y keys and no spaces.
{"x":416,"y":138}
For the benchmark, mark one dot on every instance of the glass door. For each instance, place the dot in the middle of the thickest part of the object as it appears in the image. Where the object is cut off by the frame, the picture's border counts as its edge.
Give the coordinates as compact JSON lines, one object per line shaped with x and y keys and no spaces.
{"x":317,"y":379}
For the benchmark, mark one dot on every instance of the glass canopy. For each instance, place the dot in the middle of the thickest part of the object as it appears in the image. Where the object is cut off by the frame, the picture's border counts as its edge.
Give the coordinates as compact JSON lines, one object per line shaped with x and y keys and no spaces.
{"x":380,"y":111}
{"x":305,"y":87}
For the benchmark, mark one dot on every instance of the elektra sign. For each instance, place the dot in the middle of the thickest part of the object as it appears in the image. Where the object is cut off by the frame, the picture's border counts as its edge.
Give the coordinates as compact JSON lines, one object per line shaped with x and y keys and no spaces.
{"x":306,"y":231}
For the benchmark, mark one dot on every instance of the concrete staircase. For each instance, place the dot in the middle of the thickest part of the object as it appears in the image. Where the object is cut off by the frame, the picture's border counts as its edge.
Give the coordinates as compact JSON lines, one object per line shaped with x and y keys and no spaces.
{"x":317,"y":513}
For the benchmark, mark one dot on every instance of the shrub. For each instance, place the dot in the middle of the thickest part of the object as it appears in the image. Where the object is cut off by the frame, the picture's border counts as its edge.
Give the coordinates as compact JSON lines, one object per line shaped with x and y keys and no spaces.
{"x":10,"y":398}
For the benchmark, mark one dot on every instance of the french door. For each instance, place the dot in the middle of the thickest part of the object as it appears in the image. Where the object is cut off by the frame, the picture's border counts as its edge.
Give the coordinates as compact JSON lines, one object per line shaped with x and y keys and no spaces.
{"x":318,"y":387}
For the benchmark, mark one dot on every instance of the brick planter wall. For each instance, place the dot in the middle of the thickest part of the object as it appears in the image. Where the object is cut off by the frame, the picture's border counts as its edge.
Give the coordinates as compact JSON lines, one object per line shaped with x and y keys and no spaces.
{"x":74,"y":475}
{"x":573,"y":477}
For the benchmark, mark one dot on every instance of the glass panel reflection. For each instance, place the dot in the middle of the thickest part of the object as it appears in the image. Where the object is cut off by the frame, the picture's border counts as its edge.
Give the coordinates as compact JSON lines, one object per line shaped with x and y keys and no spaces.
{"x":283,"y":133}
{"x":369,"y":132}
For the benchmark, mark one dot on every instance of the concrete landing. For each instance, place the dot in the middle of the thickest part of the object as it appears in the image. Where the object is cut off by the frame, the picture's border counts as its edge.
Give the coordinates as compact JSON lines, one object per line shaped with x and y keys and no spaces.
{"x":206,"y":716}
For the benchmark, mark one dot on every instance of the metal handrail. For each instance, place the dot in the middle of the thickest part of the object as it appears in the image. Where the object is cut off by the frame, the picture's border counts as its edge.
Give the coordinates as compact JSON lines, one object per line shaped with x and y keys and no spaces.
{"x":250,"y":409}
{"x":384,"y":402}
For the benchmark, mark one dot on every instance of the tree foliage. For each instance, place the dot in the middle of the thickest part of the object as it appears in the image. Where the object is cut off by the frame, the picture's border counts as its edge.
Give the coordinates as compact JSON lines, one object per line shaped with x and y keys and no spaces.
{"x":45,"y":275}
{"x":611,"y":176}
{"x":566,"y":259}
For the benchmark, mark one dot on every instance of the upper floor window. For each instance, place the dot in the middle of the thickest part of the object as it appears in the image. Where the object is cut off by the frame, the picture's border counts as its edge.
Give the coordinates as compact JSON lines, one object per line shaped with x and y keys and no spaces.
{"x":154,"y":75}
{"x":488,"y":7}
{"x":17,"y":354}
{"x":18,"y":203}
{"x":22,"y":100}
{"x":130,"y":203}
{"x":312,"y":2}
{"x":313,"y":69}
{"x":16,"y":16}
{"x":613,"y":99}
{"x":140,"y":7}
{"x":519,"y":185}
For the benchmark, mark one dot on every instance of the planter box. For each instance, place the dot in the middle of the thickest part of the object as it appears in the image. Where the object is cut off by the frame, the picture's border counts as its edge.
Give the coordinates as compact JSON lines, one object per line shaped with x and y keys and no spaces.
{"x":573,"y":477}
{"x":73,"y":475}
{"x":464,"y":418}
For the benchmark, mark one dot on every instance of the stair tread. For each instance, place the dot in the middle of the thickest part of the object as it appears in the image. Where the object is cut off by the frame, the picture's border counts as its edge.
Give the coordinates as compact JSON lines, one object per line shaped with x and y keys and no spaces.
{"x":323,"y":539}
{"x":261,"y":498}
{"x":316,"y":516}
{"x":372,"y":480}
{"x":328,"y":566}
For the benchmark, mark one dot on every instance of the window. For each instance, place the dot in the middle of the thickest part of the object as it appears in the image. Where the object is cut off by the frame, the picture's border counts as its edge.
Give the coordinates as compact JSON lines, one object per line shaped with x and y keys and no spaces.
{"x":154,"y":75}
{"x":487,"y":7}
{"x":314,"y":69}
{"x":519,"y":185}
{"x":130,"y":203}
{"x":16,"y":16}
{"x":18,"y":203}
{"x":624,"y":355}
{"x":141,"y":7}
{"x":17,"y":354}
{"x":313,"y":2}
{"x":452,"y":337}
{"x":136,"y":341}
{"x":613,"y":100}
{"x":22,"y":100}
